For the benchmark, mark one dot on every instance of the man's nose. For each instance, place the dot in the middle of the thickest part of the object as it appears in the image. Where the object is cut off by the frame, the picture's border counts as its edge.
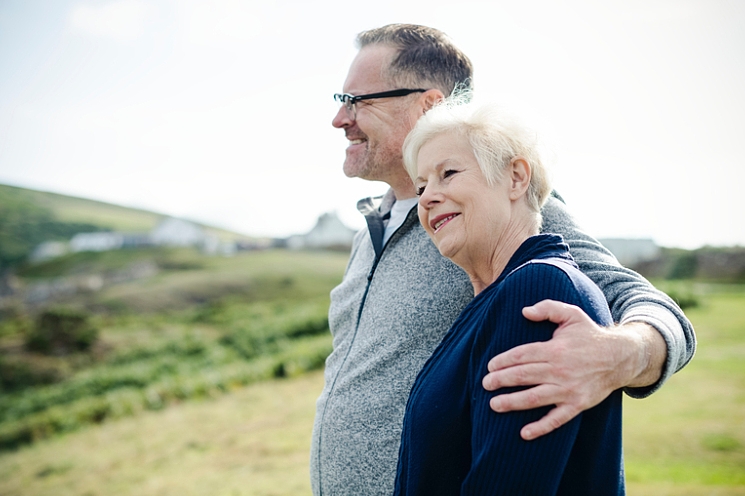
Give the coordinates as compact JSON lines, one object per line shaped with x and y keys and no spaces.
{"x":342,"y":119}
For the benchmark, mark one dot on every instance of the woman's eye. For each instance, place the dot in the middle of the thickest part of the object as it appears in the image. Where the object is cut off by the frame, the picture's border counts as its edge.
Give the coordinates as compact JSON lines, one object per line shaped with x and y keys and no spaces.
{"x":419,"y":190}
{"x":449,"y":172}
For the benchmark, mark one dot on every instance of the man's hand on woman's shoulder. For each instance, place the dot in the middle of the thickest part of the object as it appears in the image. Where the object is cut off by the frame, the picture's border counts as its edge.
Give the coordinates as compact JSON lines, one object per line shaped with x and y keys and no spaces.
{"x":577,"y":369}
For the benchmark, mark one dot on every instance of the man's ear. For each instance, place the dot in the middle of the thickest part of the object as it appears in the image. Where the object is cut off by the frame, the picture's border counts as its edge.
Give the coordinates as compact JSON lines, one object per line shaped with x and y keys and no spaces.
{"x":426,"y":101}
{"x":519,"y":175}
{"x":429,"y":98}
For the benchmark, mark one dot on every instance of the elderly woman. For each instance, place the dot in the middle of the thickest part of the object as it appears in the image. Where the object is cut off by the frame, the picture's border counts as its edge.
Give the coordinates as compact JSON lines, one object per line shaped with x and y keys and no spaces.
{"x":481,"y":185}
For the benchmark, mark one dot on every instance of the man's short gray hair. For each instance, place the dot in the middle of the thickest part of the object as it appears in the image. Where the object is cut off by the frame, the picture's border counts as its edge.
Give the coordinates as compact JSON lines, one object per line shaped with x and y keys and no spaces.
{"x":426,"y":57}
{"x":494,"y":137}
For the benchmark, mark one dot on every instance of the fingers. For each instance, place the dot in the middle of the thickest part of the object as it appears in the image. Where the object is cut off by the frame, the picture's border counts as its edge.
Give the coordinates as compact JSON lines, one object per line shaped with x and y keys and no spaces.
{"x":535,"y":397}
{"x":555,"y":311}
{"x":519,"y":355}
{"x":553,"y":420}
{"x":525,"y":375}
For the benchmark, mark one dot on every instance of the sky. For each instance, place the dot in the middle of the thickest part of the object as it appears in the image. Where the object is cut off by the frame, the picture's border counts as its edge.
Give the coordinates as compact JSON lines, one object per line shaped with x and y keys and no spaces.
{"x":220,"y":111}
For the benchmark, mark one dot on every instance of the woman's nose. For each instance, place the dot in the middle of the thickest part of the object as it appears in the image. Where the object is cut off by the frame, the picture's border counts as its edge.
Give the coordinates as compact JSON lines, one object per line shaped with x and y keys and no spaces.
{"x":429,"y":196}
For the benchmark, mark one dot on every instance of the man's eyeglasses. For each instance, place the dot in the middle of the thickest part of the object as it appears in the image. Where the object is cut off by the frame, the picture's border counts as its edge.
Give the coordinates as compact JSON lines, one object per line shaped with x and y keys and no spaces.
{"x":350,"y":101}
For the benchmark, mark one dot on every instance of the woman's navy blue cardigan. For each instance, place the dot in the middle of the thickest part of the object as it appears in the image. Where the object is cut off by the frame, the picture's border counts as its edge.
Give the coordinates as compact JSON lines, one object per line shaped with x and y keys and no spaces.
{"x":453,"y":443}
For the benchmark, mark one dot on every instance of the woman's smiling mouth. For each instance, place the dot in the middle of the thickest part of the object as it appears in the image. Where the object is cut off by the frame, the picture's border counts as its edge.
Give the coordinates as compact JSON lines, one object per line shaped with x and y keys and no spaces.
{"x":441,"y":220}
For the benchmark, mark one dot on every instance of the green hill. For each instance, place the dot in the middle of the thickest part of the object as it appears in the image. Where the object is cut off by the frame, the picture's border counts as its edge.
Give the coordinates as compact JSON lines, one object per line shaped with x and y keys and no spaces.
{"x":29,"y":217}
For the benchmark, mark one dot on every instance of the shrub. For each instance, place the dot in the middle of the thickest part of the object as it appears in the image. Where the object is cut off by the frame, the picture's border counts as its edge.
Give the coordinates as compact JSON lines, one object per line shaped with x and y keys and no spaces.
{"x":60,"y":331}
{"x":13,"y":320}
{"x":258,"y":336}
{"x":17,"y":373}
{"x":684,"y":266}
{"x":684,"y":299}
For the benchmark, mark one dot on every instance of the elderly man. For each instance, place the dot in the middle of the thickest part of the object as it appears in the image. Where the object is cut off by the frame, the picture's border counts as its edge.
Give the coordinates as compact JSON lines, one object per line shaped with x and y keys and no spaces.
{"x":399,"y":296}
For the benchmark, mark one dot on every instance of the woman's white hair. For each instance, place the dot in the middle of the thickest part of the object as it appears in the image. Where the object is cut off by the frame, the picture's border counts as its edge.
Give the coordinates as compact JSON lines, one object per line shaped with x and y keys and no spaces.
{"x":494,"y":137}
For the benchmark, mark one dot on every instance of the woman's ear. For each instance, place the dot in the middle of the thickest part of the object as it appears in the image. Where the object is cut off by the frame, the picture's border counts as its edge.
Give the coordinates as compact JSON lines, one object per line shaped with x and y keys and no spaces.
{"x":519,"y":175}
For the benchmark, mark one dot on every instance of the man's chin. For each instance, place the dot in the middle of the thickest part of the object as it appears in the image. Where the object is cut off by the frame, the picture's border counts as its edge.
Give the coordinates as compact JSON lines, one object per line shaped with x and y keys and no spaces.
{"x":354,"y":169}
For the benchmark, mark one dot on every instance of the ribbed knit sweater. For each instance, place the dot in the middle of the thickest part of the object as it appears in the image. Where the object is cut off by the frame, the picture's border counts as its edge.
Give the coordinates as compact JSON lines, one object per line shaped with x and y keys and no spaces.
{"x":453,"y":443}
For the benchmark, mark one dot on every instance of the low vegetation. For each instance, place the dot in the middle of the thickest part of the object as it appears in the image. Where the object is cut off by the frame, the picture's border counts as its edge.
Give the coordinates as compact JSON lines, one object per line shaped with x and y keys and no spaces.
{"x":199,"y":328}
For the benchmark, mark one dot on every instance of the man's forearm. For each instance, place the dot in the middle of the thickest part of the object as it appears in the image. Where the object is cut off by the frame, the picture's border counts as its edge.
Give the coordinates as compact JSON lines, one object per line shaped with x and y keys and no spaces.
{"x":649,"y":352}
{"x":632,"y":300}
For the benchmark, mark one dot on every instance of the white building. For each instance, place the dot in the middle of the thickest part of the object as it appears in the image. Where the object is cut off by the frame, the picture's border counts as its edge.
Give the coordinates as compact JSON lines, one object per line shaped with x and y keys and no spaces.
{"x":212,"y":245}
{"x":329,"y":232}
{"x":98,"y":241}
{"x":49,"y":250}
{"x":169,"y":232}
{"x":177,"y":232}
{"x":631,"y":251}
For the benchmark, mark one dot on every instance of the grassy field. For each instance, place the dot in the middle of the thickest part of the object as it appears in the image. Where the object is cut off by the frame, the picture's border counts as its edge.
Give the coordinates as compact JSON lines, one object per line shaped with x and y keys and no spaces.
{"x":688,"y":439}
{"x":254,"y":441}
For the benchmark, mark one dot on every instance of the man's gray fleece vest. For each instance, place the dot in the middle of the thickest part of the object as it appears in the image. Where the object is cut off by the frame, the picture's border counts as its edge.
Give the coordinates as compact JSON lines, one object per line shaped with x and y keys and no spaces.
{"x":386,"y":318}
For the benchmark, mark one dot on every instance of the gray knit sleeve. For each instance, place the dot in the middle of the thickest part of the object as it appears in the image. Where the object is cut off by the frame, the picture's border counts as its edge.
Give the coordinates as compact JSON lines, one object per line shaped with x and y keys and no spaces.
{"x":630,"y":296}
